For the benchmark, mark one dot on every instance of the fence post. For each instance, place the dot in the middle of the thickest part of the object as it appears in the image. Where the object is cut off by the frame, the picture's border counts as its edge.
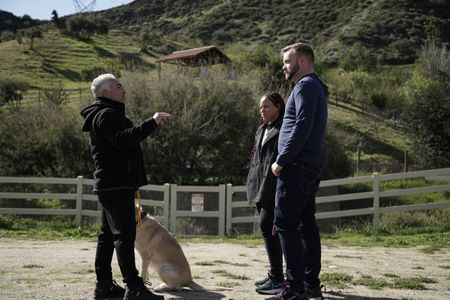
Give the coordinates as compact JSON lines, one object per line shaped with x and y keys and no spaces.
{"x":79,"y":201}
{"x":229,"y":208}
{"x":376,"y":200}
{"x":222,"y":199}
{"x":166,"y":204}
{"x":173,"y":208}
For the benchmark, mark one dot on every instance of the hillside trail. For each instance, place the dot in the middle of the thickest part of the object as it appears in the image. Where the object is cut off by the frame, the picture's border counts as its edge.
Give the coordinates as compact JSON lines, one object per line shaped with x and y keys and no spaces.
{"x":63,"y":269}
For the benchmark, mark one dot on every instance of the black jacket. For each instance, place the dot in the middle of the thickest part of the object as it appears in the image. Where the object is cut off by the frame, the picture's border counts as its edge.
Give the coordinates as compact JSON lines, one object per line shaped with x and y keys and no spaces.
{"x":115,"y":145}
{"x":261,"y":183}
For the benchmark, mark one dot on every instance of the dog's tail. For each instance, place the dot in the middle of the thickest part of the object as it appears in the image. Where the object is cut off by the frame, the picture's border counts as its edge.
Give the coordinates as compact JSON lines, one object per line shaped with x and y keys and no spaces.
{"x":195,"y":286}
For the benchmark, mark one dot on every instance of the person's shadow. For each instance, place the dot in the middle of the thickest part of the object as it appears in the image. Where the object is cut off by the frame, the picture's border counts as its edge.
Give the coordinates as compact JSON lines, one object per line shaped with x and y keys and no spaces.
{"x":332,"y":295}
{"x":188,"y":294}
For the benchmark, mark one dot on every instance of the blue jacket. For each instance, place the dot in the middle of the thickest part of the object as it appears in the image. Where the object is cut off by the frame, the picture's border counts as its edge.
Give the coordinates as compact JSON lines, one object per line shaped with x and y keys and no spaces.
{"x":302,"y":135}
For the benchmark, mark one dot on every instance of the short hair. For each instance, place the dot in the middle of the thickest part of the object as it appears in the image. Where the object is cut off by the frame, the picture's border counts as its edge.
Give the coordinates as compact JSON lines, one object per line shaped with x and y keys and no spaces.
{"x":102,"y":82}
{"x":300,"y":49}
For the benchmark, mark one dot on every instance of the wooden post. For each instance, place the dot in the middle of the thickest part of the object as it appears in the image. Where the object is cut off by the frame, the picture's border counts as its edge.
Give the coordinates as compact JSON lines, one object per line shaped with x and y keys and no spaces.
{"x":358,"y":158}
{"x":222,"y":200}
{"x":79,"y":201}
{"x":405,"y":162}
{"x":229,"y":209}
{"x":159,"y":71}
{"x":166,"y":204}
{"x":376,"y":200}
{"x":173,"y":209}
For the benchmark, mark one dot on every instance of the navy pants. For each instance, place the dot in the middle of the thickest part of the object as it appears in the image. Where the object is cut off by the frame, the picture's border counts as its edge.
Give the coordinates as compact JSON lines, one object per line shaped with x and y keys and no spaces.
{"x":271,"y":242}
{"x":117,"y":231}
{"x":295,"y":221}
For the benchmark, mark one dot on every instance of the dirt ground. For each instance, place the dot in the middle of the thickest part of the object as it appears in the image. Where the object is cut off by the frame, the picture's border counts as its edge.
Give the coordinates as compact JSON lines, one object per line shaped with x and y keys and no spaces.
{"x":32,"y":269}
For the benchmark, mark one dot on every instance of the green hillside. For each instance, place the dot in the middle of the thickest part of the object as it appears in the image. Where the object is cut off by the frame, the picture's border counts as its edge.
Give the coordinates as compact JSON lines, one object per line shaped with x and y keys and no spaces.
{"x":391,"y":30}
{"x":58,"y":58}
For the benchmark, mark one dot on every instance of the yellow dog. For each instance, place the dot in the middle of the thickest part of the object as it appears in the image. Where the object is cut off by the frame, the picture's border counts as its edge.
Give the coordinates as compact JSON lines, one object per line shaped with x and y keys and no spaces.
{"x":161,"y":251}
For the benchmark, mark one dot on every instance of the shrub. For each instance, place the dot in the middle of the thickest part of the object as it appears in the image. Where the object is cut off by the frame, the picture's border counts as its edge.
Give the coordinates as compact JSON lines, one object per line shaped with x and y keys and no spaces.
{"x":85,"y":27}
{"x":11,"y":90}
{"x":358,"y":57}
{"x":211,"y":136}
{"x":428,"y":93}
{"x":91,"y":73}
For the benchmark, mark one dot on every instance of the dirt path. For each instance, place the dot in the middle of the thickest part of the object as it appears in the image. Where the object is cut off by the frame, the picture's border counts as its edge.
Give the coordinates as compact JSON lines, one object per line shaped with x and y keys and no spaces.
{"x":32,"y":269}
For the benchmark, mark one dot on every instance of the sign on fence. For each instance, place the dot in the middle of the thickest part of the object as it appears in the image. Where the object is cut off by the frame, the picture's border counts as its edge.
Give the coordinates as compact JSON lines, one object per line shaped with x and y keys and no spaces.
{"x":197,"y":202}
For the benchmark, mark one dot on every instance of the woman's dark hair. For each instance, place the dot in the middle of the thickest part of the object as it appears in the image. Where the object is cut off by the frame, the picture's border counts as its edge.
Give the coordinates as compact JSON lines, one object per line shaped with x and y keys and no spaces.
{"x":277,"y":100}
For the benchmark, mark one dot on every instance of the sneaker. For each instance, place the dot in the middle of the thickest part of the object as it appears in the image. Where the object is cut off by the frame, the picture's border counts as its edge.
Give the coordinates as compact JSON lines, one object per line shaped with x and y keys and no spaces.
{"x":262,"y":280}
{"x":315,"y":293}
{"x":271,"y":287}
{"x":140,"y":292}
{"x":108,"y":290}
{"x":289,"y":294}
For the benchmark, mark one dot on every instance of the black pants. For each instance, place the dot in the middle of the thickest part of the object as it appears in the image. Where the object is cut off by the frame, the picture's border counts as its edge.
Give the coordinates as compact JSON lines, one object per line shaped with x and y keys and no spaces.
{"x":295,"y":208}
{"x":117,"y":231}
{"x":271,"y":242}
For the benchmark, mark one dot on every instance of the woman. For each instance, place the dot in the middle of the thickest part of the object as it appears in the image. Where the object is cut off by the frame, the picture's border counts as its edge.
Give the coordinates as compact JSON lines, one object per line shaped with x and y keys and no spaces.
{"x":261,"y":187}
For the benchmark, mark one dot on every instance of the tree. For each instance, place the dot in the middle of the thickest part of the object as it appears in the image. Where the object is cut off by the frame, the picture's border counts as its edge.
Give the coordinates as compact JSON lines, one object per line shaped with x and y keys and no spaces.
{"x":209,"y":140}
{"x":55,"y":19}
{"x":32,"y":34}
{"x":85,"y":27}
{"x":11,"y":91}
{"x":429,"y":112}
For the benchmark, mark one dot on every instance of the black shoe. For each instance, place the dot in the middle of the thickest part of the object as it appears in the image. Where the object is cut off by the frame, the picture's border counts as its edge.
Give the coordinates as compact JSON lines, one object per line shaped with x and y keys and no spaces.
{"x":290,"y":294}
{"x":315,"y":293}
{"x":108,"y":290}
{"x":140,"y":292}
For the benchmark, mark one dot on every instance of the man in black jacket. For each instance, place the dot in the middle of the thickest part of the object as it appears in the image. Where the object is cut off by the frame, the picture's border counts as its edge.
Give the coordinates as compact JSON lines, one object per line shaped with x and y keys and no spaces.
{"x":119,"y":172}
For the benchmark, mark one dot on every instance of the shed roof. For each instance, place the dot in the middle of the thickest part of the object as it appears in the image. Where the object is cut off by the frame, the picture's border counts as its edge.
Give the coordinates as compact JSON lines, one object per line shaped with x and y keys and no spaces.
{"x":208,"y":55}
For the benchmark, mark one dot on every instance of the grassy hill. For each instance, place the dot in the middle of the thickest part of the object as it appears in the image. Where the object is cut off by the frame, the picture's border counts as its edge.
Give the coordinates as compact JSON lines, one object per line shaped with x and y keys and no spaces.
{"x":392,"y":29}
{"x":60,"y":59}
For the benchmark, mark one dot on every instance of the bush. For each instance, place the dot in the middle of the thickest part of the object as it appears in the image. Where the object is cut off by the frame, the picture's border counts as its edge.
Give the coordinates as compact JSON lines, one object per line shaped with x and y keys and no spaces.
{"x":43,"y":140}
{"x":209,"y":140}
{"x":90,"y":74}
{"x":428,"y":93}
{"x":11,"y":90}
{"x":358,"y":57}
{"x":379,"y":100}
{"x":85,"y":27}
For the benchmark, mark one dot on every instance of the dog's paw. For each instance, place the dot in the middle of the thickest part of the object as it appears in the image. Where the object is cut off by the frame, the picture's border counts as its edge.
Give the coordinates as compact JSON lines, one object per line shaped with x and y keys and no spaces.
{"x":165,"y":288}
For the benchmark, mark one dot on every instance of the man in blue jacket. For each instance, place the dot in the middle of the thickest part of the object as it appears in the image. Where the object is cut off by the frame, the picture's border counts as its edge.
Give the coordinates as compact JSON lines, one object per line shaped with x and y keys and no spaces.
{"x":301,"y":159}
{"x":119,"y":172}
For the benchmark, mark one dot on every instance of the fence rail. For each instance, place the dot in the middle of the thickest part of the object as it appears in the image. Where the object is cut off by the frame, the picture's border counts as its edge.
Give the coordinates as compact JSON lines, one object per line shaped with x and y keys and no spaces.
{"x":221,"y":202}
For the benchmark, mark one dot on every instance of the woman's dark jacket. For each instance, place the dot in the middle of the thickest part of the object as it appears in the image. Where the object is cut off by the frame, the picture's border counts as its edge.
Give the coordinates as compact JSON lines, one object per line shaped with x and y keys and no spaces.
{"x":115,"y":145}
{"x":261,"y":183}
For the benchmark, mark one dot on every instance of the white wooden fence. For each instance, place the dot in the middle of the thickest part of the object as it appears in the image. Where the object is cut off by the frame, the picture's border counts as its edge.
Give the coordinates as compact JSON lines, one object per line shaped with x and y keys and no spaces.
{"x":172,"y":205}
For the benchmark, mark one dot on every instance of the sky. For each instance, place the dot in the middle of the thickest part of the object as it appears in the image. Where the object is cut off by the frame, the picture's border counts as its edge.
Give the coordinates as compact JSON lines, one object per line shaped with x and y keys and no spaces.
{"x":42,"y":9}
